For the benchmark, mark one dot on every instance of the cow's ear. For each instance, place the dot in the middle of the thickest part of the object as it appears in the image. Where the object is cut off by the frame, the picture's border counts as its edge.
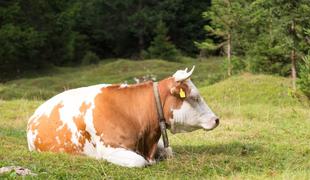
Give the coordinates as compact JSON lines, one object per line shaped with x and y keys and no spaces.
{"x":180,"y":91}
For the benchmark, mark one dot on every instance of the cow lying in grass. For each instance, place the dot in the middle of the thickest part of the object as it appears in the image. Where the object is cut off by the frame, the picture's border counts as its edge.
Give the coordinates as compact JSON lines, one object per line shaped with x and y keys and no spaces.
{"x":119,"y":123}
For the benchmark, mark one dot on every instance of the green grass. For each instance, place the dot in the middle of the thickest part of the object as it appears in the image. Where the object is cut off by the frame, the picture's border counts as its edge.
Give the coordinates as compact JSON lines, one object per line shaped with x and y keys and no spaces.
{"x":119,"y":71}
{"x":264,"y":131}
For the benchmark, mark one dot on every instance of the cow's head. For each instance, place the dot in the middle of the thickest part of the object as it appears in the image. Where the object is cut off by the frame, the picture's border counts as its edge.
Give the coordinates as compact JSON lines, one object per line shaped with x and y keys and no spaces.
{"x":188,"y":110}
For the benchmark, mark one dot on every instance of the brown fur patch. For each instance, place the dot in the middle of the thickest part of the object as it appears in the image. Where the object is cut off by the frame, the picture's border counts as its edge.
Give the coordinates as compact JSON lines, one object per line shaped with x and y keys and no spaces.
{"x":127,"y":117}
{"x":172,"y":98}
{"x":51,"y":139}
{"x":47,"y":134}
{"x":81,"y":126}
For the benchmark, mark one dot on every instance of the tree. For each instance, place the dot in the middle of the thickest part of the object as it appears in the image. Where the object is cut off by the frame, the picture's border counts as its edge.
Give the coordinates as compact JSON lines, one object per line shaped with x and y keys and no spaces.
{"x":225,"y":17}
{"x":185,"y":23}
{"x":19,"y":50}
{"x":263,"y":39}
{"x":161,"y":47}
{"x":277,"y":27}
{"x":304,"y":75}
{"x":295,"y":17}
{"x":20,"y":44}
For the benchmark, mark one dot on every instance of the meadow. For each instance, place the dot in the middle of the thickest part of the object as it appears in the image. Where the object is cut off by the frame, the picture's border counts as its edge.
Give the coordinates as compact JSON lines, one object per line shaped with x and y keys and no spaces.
{"x":264,"y":131}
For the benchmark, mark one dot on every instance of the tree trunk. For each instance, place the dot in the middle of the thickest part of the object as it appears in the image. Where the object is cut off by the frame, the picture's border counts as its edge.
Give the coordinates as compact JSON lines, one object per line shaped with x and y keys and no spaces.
{"x":141,"y":41}
{"x":229,"y":54}
{"x":141,"y":24}
{"x":202,"y":54}
{"x":294,"y":73}
{"x":293,"y":58}
{"x":270,"y":28}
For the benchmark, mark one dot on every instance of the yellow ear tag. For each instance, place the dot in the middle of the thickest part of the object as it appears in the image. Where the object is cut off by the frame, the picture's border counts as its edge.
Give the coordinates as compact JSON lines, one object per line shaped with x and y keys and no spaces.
{"x":182,"y":93}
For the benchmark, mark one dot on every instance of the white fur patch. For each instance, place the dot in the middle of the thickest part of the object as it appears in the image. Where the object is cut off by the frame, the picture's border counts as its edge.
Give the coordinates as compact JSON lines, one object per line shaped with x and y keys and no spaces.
{"x":123,"y":157}
{"x":89,"y":149}
{"x":57,"y":139}
{"x":123,"y":85}
{"x":31,"y":136}
{"x":119,"y":156}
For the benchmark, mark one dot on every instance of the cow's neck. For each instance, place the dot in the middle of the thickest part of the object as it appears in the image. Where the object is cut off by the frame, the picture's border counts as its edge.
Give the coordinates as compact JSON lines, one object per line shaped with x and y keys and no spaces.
{"x":164,"y":87}
{"x":150,"y":125}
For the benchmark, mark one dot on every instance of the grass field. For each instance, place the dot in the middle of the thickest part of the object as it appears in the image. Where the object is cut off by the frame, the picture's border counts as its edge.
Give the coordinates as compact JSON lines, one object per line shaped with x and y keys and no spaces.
{"x":264,"y":131}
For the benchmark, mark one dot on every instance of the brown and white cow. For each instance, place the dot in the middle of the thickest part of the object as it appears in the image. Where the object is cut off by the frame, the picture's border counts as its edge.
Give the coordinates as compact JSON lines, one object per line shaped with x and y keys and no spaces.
{"x":118,"y":123}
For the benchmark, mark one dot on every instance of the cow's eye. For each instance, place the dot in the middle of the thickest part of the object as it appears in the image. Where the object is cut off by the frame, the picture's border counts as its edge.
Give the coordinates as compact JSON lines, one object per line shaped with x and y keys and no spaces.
{"x":196,"y":99}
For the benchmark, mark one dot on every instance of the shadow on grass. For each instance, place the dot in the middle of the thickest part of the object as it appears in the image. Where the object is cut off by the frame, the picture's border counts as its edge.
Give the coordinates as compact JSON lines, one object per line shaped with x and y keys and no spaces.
{"x":16,"y":133}
{"x":233,"y":148}
{"x":231,"y":158}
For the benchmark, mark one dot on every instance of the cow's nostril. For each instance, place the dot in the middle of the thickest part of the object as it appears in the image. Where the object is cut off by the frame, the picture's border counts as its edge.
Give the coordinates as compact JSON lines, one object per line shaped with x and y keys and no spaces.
{"x":217,"y":120}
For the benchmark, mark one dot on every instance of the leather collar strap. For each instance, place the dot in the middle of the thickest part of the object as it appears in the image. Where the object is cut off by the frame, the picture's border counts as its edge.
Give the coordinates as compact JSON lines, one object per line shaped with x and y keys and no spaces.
{"x":162,"y":121}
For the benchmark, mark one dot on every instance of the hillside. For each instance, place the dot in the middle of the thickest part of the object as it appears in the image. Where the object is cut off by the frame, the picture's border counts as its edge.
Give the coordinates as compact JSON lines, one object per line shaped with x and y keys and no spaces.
{"x":254,"y":89}
{"x":264,"y":131}
{"x":43,"y":86}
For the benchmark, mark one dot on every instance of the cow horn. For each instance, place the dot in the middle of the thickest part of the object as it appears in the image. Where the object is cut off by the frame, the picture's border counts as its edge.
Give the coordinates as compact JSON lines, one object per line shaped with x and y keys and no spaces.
{"x":182,"y":75}
{"x":192,"y":70}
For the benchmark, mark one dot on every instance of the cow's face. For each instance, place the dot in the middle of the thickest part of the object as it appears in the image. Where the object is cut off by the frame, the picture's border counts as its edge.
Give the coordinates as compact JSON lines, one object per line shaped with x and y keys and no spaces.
{"x":191,"y":111}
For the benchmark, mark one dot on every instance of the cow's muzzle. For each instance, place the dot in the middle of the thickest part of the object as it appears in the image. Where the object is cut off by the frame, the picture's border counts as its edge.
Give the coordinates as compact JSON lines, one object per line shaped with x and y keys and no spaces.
{"x":212,"y":124}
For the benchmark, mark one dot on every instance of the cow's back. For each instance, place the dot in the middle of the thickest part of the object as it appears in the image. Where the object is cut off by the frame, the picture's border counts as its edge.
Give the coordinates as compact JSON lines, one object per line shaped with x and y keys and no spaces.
{"x":64,"y":123}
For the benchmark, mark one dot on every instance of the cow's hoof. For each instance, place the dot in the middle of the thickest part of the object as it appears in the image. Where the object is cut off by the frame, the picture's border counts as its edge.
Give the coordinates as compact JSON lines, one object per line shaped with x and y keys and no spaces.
{"x":169,"y":152}
{"x":151,"y":162}
{"x":163,"y":153}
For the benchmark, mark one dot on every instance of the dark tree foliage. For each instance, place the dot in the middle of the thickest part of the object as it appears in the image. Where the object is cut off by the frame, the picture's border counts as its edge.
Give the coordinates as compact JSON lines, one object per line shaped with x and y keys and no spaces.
{"x":186,"y":26}
{"x":304,"y":74}
{"x":161,"y":47}
{"x":36,"y":34}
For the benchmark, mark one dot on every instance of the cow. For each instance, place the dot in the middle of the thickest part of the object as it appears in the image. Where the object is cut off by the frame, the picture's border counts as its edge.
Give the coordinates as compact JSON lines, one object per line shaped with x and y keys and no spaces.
{"x":119,"y":123}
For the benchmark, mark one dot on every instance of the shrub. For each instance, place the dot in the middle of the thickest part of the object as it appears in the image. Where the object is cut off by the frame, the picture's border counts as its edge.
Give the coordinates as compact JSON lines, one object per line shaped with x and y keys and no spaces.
{"x":237,"y":63}
{"x":304,"y":75}
{"x":269,"y":56}
{"x":90,"y":58}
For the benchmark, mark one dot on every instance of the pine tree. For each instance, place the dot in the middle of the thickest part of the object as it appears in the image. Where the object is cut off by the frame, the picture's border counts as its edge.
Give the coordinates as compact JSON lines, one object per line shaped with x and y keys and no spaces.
{"x":161,"y":47}
{"x":225,"y":16}
{"x":278,"y":29}
{"x":304,"y":75}
{"x":295,"y":15}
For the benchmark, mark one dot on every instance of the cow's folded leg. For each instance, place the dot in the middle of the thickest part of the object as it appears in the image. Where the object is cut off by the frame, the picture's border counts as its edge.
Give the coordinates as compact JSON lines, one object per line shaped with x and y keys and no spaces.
{"x":152,"y":154}
{"x":124,"y":157}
